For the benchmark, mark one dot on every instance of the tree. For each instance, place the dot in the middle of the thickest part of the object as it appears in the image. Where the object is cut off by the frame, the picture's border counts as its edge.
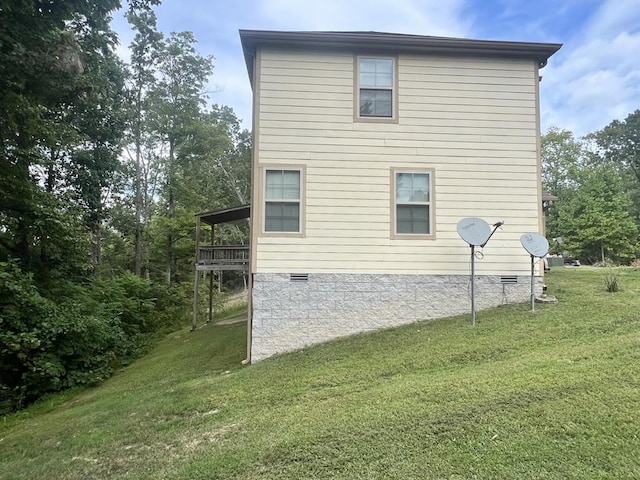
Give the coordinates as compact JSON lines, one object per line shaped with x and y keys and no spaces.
{"x":176,"y":102}
{"x":56,"y":73}
{"x":594,"y":220}
{"x":561,"y":156}
{"x":619,"y":144}
{"x":145,"y":50}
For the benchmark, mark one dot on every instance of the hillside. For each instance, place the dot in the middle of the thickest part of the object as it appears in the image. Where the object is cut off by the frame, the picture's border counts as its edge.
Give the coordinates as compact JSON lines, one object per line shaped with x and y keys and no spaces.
{"x":550,"y":394}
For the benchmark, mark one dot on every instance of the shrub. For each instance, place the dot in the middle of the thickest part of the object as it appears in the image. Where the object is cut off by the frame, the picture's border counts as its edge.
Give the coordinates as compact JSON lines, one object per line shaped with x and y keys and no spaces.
{"x":128,"y":298}
{"x":78,"y":335}
{"x":612,"y":282}
{"x":47,"y":346}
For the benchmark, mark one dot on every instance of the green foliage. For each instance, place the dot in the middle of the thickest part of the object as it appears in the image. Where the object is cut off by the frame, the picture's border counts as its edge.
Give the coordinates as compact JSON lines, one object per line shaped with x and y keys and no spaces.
{"x":561,"y":156}
{"x":619,"y":142}
{"x":595,"y":220}
{"x":75,"y":216}
{"x":60,"y":122}
{"x":79,"y":336}
{"x":619,"y":145}
{"x":142,"y":307}
{"x":612,"y":282}
{"x":47,"y":346}
{"x":128,"y":298}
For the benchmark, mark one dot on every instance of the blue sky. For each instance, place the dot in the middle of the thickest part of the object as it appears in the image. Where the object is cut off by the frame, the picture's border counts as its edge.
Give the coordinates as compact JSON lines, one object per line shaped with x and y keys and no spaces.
{"x":592,"y":80}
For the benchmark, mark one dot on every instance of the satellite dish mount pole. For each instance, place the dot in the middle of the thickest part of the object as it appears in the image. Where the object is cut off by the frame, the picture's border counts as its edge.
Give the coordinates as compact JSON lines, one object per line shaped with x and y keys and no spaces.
{"x":537,"y":246}
{"x":533,"y":293}
{"x":476,"y":232}
{"x":473,"y":285}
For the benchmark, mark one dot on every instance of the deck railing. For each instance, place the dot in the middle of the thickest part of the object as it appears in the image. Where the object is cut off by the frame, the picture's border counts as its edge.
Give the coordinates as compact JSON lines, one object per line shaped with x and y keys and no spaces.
{"x":224,"y":257}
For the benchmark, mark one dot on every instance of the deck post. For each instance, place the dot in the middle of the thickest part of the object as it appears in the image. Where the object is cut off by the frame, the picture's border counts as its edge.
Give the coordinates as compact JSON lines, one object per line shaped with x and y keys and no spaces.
{"x":210,"y":296}
{"x":198,"y":226}
{"x":194,"y":321}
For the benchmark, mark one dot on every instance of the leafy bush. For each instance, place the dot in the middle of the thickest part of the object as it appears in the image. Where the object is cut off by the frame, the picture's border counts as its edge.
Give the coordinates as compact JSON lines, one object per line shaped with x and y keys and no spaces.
{"x":49,"y":344}
{"x":45,"y":346}
{"x":128,"y":298}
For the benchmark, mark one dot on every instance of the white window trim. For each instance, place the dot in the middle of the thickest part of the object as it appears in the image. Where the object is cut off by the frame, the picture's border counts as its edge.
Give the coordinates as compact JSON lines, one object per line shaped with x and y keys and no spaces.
{"x":431,"y":203}
{"x":300,"y":201}
{"x":394,"y":91}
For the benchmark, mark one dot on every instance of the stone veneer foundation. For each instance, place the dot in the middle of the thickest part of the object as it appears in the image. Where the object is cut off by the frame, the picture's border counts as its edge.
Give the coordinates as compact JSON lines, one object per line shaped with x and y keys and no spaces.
{"x":291,"y":314}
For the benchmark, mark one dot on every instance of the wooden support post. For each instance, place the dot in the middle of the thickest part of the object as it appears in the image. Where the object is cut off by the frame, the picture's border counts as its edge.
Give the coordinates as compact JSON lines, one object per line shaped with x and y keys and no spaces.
{"x":211,"y":273}
{"x":198,"y":239}
{"x":194,"y":321}
{"x":210,"y":318}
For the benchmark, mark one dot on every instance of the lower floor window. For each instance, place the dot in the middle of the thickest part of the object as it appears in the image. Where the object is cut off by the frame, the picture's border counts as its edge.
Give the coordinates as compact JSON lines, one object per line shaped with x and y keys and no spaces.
{"x":283,"y":194}
{"x":413,"y":203}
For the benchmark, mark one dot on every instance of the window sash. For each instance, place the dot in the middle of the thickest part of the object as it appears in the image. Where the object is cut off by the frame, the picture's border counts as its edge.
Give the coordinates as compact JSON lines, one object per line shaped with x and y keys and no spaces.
{"x":376,"y":103}
{"x":282,"y":185}
{"x":282,"y":200}
{"x":282,"y":216}
{"x":376,"y":84}
{"x":376,"y":72}
{"x":412,"y":203}
{"x":412,"y":219}
{"x":412,"y":187}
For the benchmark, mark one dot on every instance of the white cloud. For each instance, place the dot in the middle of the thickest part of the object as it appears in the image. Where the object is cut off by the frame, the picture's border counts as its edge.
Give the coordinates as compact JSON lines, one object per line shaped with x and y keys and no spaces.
{"x":597,"y":77}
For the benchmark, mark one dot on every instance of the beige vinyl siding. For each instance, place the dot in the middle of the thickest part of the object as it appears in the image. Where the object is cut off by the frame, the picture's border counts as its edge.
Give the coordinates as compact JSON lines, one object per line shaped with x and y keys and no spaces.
{"x":471,"y":120}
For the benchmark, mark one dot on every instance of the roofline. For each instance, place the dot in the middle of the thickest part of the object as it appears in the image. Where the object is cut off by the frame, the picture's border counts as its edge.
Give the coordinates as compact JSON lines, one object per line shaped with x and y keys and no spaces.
{"x":393,"y":42}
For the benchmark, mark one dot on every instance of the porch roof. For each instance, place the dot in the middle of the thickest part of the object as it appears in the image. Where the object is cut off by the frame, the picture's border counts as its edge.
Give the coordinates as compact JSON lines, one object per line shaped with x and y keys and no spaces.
{"x":226,"y":215}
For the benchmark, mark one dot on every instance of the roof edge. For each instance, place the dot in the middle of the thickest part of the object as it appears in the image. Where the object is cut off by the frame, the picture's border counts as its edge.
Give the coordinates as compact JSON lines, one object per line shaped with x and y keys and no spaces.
{"x":252,"y":39}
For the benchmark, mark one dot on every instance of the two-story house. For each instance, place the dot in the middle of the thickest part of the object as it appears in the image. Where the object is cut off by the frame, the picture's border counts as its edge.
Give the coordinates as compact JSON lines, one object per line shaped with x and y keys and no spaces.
{"x":368,"y":149}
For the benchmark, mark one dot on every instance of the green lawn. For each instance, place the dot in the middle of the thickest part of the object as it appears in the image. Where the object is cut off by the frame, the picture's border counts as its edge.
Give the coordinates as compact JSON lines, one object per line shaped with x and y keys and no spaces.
{"x":550,"y":394}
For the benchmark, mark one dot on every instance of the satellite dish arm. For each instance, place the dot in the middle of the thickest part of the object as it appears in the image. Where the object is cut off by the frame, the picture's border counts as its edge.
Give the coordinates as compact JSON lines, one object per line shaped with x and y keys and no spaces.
{"x":495,"y":227}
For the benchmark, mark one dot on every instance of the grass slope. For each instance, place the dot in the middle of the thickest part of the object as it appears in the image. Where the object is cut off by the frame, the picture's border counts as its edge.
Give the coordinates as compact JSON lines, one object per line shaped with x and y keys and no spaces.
{"x":550,"y":394}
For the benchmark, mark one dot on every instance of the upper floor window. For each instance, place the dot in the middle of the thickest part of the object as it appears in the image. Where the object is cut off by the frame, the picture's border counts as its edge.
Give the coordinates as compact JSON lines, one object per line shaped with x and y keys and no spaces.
{"x":283,"y":194}
{"x":376,"y":83}
{"x":413,"y":204}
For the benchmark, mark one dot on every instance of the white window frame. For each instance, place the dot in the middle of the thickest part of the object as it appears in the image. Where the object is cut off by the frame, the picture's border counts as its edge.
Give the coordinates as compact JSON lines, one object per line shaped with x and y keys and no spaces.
{"x":430,"y":204}
{"x":299,"y":200}
{"x":393,"y":88}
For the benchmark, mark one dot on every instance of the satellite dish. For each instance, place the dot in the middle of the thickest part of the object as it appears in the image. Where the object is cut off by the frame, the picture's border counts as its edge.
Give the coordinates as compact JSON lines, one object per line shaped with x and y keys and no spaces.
{"x":535,"y":244}
{"x":474,"y":231}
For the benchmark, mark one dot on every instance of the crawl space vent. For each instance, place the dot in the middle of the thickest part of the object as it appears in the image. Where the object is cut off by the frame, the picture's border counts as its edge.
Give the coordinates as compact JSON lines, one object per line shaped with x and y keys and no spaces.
{"x":508,"y":280}
{"x":299,"y":277}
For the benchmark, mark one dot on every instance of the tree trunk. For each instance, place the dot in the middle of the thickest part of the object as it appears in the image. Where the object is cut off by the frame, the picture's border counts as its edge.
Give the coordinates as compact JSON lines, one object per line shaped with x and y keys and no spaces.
{"x":24,"y":225}
{"x":602,"y":251}
{"x":97,"y":243}
{"x":138,"y":187}
{"x":171,"y":212}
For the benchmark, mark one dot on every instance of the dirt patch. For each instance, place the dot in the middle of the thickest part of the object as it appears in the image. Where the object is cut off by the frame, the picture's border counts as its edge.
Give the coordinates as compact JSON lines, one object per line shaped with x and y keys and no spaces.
{"x":229,"y":321}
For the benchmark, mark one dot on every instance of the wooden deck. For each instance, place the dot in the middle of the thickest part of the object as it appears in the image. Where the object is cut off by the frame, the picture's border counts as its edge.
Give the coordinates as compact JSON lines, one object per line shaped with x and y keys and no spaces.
{"x":211,"y":258}
{"x":223,"y":257}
